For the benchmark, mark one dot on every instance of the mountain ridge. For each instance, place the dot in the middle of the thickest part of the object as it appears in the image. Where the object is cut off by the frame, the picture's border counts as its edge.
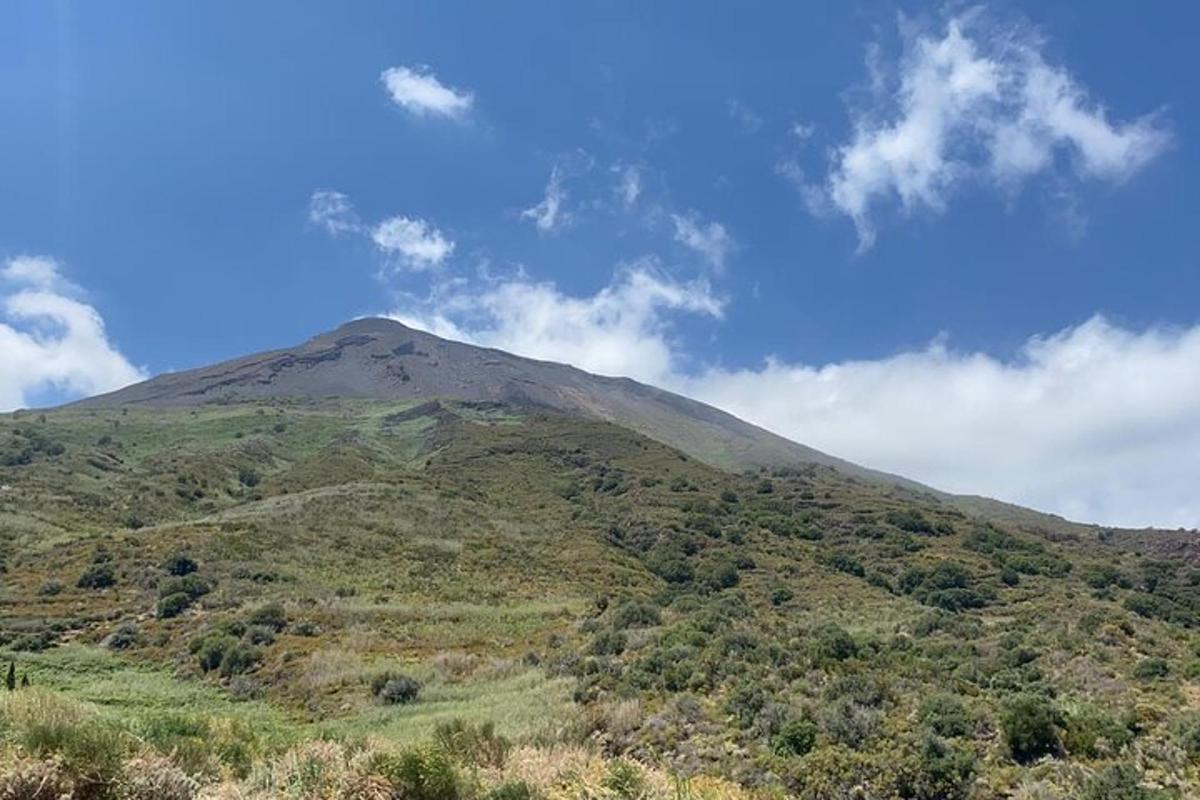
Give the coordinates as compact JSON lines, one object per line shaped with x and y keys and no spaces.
{"x":380,"y":358}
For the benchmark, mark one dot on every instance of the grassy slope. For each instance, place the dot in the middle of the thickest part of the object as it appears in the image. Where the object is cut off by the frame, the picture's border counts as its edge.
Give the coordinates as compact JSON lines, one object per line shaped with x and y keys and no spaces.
{"x":468,"y":547}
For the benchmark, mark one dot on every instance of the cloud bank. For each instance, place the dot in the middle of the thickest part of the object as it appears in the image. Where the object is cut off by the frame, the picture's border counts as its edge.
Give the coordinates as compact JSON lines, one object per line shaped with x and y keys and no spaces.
{"x":51,"y":339}
{"x":978,"y":103}
{"x":622,"y":330}
{"x":1096,"y":422}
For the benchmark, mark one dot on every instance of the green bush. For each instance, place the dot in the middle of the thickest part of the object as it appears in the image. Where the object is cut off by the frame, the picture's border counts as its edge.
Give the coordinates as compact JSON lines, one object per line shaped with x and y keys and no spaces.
{"x":97,"y":576}
{"x":945,"y":715}
{"x":123,"y":637}
{"x":172,"y":605}
{"x":393,"y":688}
{"x":943,"y":771}
{"x":1150,"y":668}
{"x":240,"y":658}
{"x":190,"y":585}
{"x":1092,"y":733}
{"x":1030,"y":726}
{"x":830,"y":642}
{"x":272,"y":616}
{"x":512,"y":790}
{"x":781,"y":595}
{"x":473,"y":745}
{"x":180,"y":564}
{"x":211,"y":650}
{"x":635,"y":614}
{"x":796,"y":738}
{"x":422,"y":774}
{"x":1117,"y":782}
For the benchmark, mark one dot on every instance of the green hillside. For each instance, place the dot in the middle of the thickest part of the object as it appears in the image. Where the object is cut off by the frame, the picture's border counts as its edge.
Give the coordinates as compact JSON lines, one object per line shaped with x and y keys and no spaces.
{"x":448,"y":600}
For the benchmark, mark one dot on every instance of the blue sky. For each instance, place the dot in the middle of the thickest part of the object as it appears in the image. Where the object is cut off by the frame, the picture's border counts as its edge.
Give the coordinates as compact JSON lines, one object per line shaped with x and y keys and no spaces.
{"x":956,"y":242}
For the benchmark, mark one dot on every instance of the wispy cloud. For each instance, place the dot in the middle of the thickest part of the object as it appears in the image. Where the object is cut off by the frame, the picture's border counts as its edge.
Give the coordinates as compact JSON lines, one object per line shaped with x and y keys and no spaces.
{"x":551,"y":214}
{"x":408,"y":242}
{"x":743,"y":115}
{"x":333,"y":211}
{"x":709,"y":239}
{"x":629,"y":184}
{"x":976,"y":103}
{"x":51,"y":338}
{"x":419,"y":92}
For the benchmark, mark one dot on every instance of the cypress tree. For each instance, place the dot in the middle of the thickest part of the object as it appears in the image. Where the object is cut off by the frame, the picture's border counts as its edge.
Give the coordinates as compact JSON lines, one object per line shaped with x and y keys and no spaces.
{"x":25,"y":681}
{"x":10,"y":680}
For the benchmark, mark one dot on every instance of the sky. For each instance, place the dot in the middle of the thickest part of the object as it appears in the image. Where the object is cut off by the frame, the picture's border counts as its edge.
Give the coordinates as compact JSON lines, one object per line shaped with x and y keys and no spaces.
{"x":955,"y":242}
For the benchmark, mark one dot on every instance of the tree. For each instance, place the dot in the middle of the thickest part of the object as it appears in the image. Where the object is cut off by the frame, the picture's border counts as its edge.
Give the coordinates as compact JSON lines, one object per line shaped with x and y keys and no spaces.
{"x":10,"y":681}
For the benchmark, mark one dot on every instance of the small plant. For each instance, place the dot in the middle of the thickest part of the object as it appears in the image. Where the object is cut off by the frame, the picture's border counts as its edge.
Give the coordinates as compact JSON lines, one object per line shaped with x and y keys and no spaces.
{"x":945,"y":715}
{"x":123,"y":637}
{"x":1149,"y":669}
{"x":795,"y":738}
{"x":393,"y":688}
{"x":272,"y":616}
{"x":180,"y":564}
{"x":172,"y":605}
{"x":97,"y":576}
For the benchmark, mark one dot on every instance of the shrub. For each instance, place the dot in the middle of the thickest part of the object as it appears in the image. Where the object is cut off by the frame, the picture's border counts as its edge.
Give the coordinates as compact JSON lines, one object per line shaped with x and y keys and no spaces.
{"x":945,"y":715}
{"x":472,"y":745}
{"x":260,"y":635}
{"x":423,"y":774}
{"x":211,"y":650}
{"x":795,"y":738}
{"x":97,"y":576}
{"x":172,"y":605}
{"x":719,"y":574}
{"x":49,"y":726}
{"x":1030,"y":724}
{"x":36,"y":779}
{"x":240,"y":658}
{"x":943,"y":771}
{"x":830,"y":642}
{"x":272,"y":616}
{"x":180,"y":564}
{"x":1092,"y":733}
{"x":123,"y":637}
{"x":392,"y":688}
{"x":512,"y":790}
{"x":842,"y":561}
{"x":248,"y":477}
{"x":635,"y":614}
{"x":1150,"y":668}
{"x":624,"y":780}
{"x":156,"y":777}
{"x":190,"y":585}
{"x":1116,"y":782}
{"x":781,"y":595}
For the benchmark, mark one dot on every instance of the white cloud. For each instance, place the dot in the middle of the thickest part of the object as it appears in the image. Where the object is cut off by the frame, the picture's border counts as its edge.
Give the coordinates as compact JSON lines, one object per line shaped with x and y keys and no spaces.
{"x":710,"y":240}
{"x":52,"y":340}
{"x":333,"y":211}
{"x":803,"y":131}
{"x":621,"y":330}
{"x":629,"y":184}
{"x":1095,"y":422}
{"x":414,"y":241}
{"x":551,"y":214}
{"x":420,"y":92}
{"x":409,"y":242}
{"x":548,"y":215}
{"x":979,"y":103}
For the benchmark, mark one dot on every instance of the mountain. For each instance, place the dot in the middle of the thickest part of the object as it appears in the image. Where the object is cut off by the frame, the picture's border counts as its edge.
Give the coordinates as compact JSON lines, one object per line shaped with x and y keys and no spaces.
{"x":383,"y":565}
{"x":381,"y":359}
